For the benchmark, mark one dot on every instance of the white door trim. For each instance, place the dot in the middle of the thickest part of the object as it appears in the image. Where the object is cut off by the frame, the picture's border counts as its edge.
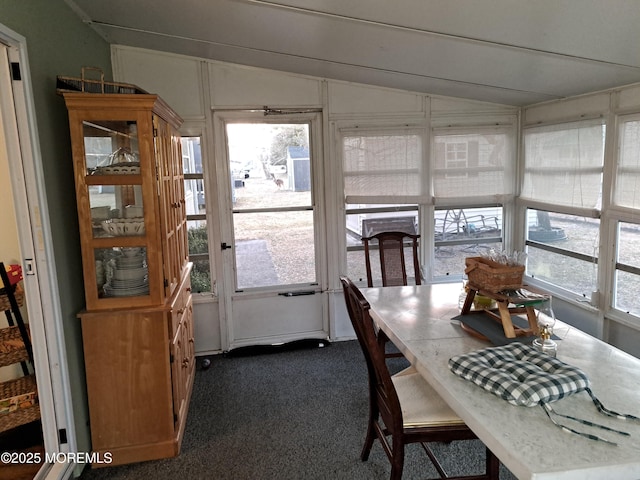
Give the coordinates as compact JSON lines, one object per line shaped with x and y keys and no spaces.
{"x":41,"y":285}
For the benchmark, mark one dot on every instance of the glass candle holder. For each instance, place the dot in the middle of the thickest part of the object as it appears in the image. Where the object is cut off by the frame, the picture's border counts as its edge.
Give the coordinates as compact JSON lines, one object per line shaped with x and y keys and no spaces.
{"x":546,"y":320}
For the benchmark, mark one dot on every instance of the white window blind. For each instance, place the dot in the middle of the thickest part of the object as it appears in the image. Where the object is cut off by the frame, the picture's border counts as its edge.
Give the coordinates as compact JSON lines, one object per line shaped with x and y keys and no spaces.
{"x":563,"y":164}
{"x":472,"y":164}
{"x":627,"y":185}
{"x":382,"y":167}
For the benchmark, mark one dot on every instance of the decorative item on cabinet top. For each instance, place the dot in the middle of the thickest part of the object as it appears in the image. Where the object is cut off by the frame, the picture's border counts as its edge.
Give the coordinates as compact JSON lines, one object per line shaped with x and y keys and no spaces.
{"x":88,"y":85}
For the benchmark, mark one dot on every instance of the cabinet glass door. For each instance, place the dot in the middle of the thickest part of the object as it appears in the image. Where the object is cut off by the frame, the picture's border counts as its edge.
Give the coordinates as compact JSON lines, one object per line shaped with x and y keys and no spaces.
{"x":111,"y":147}
{"x":111,"y":152}
{"x":114,"y":182}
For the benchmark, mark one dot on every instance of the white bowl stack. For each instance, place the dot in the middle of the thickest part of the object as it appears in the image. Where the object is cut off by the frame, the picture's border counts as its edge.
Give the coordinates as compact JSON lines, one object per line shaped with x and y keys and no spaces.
{"x":128,"y":274}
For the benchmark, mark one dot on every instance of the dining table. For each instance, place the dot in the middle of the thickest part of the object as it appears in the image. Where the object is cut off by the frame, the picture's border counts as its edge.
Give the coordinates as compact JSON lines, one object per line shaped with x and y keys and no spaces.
{"x":423,"y":322}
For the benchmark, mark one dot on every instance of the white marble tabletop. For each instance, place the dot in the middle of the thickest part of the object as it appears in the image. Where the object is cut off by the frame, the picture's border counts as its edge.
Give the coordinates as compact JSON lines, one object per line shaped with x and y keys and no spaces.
{"x":418,"y":320}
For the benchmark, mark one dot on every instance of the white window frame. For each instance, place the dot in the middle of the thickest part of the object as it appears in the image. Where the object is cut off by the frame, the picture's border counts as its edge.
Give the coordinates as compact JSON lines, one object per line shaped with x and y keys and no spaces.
{"x":607,"y":299}
{"x":196,"y":129}
{"x":547,"y":204}
{"x":376,"y":204}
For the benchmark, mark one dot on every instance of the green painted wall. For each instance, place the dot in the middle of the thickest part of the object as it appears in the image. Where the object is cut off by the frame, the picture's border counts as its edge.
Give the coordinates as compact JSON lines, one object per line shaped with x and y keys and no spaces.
{"x":59,"y":43}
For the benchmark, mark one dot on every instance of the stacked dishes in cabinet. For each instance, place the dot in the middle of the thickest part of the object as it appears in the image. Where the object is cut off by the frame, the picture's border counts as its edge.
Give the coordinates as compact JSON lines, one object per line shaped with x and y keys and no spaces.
{"x":126,"y":274}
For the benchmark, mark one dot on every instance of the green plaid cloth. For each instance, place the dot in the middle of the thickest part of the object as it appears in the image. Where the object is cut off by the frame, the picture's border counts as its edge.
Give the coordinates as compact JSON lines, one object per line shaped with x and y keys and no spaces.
{"x":524,"y":376}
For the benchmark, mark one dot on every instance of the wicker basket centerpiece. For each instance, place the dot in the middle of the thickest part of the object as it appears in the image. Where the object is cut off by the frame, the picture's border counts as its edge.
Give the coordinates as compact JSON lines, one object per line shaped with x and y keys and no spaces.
{"x":493,"y":276}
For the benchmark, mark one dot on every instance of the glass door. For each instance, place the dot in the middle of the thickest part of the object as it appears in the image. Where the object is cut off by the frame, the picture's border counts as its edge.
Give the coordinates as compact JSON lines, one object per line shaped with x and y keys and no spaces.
{"x":273,"y":226}
{"x":271,"y":257}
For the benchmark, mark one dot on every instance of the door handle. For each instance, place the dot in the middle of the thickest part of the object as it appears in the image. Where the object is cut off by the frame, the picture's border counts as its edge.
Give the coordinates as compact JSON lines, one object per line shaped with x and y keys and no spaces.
{"x":225,"y":246}
{"x":297,"y":294}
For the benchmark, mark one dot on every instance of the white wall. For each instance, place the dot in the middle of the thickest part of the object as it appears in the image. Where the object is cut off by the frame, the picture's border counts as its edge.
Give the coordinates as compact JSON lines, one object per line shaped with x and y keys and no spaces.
{"x":193,"y":86}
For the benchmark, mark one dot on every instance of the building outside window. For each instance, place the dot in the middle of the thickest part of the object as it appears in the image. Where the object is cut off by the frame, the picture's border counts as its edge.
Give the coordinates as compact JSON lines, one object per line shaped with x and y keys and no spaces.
{"x":457,"y":157}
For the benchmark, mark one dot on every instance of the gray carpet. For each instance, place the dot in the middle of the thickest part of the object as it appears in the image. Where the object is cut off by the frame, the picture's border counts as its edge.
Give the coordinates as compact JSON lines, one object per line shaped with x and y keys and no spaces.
{"x":296,"y":413}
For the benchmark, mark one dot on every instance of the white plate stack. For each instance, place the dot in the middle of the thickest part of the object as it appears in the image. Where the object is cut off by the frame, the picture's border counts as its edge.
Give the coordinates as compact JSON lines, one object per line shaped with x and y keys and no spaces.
{"x":128,"y":276}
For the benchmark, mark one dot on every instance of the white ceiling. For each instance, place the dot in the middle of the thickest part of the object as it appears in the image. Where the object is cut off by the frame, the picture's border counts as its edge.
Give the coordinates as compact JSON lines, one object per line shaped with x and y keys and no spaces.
{"x":515,"y":52}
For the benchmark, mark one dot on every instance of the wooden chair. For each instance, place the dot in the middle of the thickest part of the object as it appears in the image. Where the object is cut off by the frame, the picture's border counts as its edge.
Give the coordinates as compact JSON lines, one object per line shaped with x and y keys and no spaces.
{"x":403,"y":407}
{"x":393,"y":264}
{"x":392,"y":257}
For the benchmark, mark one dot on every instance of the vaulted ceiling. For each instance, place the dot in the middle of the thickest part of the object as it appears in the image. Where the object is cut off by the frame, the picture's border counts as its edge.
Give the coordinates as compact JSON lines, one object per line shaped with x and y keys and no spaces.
{"x":515,"y":52}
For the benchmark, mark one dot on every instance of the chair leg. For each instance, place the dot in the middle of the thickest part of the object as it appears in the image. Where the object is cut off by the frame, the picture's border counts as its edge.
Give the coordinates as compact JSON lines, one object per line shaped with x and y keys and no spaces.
{"x":368,"y":442}
{"x":397,"y":460}
{"x":371,"y":433}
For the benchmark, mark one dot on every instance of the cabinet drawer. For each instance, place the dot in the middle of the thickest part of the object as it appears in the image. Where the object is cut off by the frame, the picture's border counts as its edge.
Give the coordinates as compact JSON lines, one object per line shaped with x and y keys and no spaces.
{"x":183,"y":365}
{"x":179,"y":305}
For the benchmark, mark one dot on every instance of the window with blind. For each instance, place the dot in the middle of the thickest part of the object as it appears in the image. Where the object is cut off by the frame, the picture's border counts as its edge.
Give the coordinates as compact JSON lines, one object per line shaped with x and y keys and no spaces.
{"x":563,"y":165}
{"x":627,"y":183}
{"x":379,"y":167}
{"x":472,"y":177}
{"x":383,"y":185}
{"x":563,"y":171}
{"x":472,"y":163}
{"x":626,"y":194}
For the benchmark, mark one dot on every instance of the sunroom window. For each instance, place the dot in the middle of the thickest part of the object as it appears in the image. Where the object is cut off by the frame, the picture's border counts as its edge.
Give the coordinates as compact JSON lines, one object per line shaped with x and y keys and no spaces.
{"x":626,"y":199}
{"x":562,"y":186}
{"x":472,"y":178}
{"x":562,"y":250}
{"x":465,"y":232}
{"x":382,"y":186}
{"x":627,"y":272}
{"x":195,"y":203}
{"x":627,"y":185}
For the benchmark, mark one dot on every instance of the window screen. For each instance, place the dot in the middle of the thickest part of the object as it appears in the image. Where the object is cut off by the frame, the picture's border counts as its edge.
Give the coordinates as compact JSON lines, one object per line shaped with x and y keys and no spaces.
{"x":563,"y":164}
{"x":472,"y":164}
{"x":382,"y":165}
{"x":627,"y":186}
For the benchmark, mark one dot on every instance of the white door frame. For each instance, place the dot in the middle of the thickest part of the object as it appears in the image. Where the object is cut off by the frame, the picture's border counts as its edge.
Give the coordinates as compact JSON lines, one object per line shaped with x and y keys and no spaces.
{"x":40,"y":282}
{"x":264,"y":298}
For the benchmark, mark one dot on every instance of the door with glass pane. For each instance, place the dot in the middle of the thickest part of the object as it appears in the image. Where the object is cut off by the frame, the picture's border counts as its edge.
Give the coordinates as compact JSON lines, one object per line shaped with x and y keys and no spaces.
{"x":270,"y":249}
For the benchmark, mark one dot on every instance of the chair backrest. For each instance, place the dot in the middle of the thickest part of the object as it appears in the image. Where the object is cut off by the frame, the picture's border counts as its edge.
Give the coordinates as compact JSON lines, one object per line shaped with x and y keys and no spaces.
{"x":381,"y":389}
{"x":392,"y":257}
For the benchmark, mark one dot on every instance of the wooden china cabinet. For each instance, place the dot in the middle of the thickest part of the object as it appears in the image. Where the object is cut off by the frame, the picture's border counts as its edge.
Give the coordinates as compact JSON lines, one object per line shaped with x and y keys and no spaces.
{"x":137,"y":327}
